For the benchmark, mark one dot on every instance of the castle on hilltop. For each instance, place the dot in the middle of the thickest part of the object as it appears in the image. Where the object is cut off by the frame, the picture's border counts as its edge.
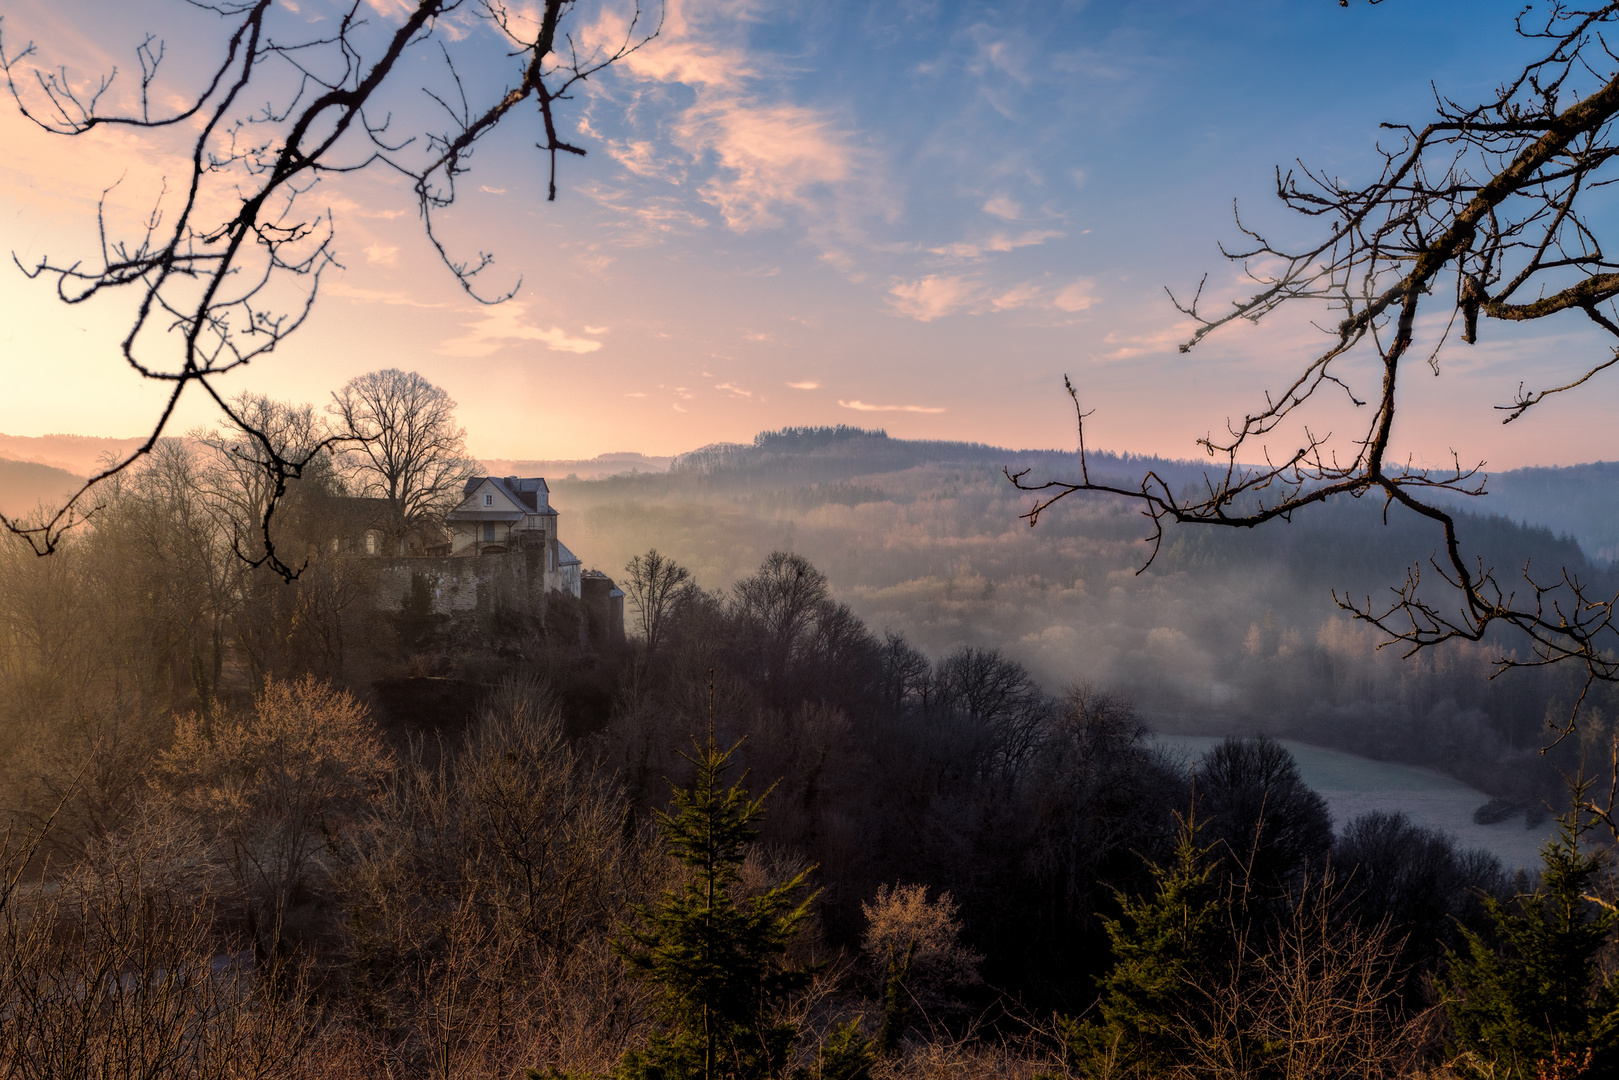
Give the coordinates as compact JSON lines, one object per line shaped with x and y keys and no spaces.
{"x":499,"y":515}
{"x":504,"y":555}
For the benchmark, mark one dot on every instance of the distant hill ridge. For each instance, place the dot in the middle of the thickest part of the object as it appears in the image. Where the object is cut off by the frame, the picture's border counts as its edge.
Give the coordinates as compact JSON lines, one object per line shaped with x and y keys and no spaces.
{"x":80,"y":455}
{"x":26,"y":485}
{"x":1579,"y":501}
{"x":581,"y":468}
{"x":836,"y":453}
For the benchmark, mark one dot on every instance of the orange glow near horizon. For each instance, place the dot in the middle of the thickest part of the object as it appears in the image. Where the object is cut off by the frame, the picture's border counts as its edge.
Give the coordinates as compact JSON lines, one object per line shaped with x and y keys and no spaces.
{"x":757,"y":257}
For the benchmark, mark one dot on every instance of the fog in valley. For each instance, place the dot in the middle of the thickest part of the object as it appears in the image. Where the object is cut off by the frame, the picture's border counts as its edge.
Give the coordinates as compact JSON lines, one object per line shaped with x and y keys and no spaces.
{"x":1220,"y":632}
{"x":1014,"y":723}
{"x":332,"y":748}
{"x":1224,"y":632}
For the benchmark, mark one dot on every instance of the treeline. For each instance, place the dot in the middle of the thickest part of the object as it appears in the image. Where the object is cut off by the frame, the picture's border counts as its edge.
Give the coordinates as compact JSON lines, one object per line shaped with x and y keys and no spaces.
{"x":285,"y":833}
{"x":150,"y":609}
{"x":263,"y":827}
{"x":1225,"y":631}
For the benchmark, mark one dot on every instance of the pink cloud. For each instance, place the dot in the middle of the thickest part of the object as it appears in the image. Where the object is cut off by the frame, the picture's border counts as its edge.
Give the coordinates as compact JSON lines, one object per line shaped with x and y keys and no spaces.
{"x":504,"y":325}
{"x":998,"y":243}
{"x":682,"y":53}
{"x":934,"y":297}
{"x":937,"y":295}
{"x":1076,"y":297}
{"x":861,"y":406}
{"x":769,"y":155}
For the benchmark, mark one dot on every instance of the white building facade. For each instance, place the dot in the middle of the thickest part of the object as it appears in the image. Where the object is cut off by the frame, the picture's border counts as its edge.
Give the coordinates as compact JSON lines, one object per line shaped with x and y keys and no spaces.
{"x":511,"y":514}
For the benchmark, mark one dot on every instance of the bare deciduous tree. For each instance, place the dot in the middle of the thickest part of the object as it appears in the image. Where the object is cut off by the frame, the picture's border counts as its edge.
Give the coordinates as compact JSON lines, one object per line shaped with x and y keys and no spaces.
{"x":115,"y":973}
{"x":782,"y":599}
{"x":270,"y":790}
{"x":1484,"y":211}
{"x":228,"y":264}
{"x":654,"y":583}
{"x":410,"y":451}
{"x":484,"y":893}
{"x":238,"y":474}
{"x":1315,"y":1000}
{"x":999,"y":695}
{"x":918,"y":938}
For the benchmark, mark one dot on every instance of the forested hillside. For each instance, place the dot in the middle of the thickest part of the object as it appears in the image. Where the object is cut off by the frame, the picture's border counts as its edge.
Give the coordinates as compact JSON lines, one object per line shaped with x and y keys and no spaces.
{"x":1225,"y":631}
{"x":415,"y":838}
{"x":1579,"y":500}
{"x":25,"y":486}
{"x":895,"y":740}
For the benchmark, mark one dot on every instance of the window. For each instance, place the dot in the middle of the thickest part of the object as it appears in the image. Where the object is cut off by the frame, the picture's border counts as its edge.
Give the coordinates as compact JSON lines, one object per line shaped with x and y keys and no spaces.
{"x":489,"y":531}
{"x":489,"y":500}
{"x":370,"y":543}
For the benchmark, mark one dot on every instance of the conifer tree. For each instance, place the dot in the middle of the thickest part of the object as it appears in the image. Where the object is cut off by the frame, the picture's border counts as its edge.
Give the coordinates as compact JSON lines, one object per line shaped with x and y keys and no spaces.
{"x":896,"y":999}
{"x":1533,"y":1000}
{"x":717,"y":961}
{"x":846,"y":1054}
{"x":1164,"y":947}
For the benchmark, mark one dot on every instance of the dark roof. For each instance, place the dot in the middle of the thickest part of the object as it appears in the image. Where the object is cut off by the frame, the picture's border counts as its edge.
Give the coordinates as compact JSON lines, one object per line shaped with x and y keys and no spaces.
{"x":372,"y":512}
{"x":367,"y":511}
{"x":529,"y":492}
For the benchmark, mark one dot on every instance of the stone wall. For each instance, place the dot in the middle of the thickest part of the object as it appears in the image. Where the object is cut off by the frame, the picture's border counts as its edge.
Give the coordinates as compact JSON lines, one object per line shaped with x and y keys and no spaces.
{"x":604,"y":606}
{"x":509,"y":582}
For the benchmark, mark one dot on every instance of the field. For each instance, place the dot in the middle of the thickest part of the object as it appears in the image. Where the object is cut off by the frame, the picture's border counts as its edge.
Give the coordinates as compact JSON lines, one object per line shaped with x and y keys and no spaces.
{"x":1353,"y":785}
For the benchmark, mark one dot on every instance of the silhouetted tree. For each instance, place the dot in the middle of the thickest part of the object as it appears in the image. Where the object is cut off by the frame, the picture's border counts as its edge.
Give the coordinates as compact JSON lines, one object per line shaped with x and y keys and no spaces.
{"x":654,"y":584}
{"x":1415,"y":878}
{"x":780,"y":601}
{"x":716,"y":959}
{"x":1268,"y":826}
{"x":998,"y":694}
{"x":409,"y":451}
{"x":1533,"y":1002}
{"x":223,"y":273}
{"x":906,"y":674}
{"x":237,"y":474}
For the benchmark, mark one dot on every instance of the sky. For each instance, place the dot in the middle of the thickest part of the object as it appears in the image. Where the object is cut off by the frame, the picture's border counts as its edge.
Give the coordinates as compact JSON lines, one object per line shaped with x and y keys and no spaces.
{"x":907,"y":214}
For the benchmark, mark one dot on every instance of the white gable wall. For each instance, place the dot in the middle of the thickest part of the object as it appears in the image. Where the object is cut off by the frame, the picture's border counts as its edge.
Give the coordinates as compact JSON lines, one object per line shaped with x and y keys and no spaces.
{"x":468,"y":535}
{"x":497,"y":499}
{"x":487,"y":497}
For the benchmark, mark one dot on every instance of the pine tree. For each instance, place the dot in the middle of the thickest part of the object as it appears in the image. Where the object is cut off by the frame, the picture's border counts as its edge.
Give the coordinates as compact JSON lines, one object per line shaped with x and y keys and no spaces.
{"x":896,"y":999}
{"x":1534,"y":999}
{"x":1164,"y":948}
{"x":718,"y":962}
{"x":846,"y":1054}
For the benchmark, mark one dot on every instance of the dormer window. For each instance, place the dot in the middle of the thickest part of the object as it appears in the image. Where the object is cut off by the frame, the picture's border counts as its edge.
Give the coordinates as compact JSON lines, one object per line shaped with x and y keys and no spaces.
{"x":489,"y":500}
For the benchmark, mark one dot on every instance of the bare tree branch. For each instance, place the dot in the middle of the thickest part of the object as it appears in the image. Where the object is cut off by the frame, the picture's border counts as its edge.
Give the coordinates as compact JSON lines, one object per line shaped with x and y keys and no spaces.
{"x":229,"y":261}
{"x":1486,"y":211}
